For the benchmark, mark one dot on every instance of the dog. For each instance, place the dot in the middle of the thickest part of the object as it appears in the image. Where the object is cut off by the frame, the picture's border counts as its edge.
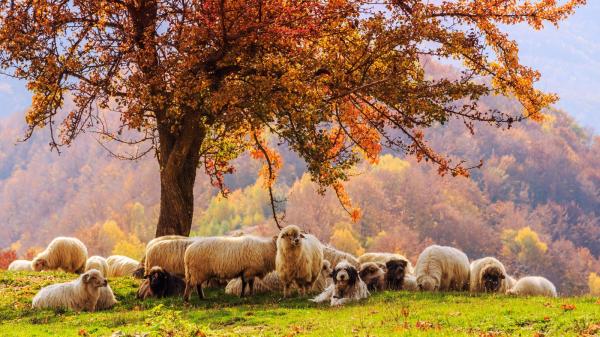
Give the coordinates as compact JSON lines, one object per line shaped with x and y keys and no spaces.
{"x":347,"y":286}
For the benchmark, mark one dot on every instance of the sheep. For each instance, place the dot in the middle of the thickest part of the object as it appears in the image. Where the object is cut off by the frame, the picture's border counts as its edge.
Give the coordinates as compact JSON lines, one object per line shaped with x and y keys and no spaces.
{"x":299,"y":259}
{"x":272,"y":283}
{"x":335,"y":256}
{"x":226,"y":258}
{"x":442,"y":268}
{"x":20,"y":265}
{"x":106,"y":299}
{"x":80,"y":294}
{"x":68,"y":254}
{"x":510,"y":281}
{"x":533,"y":286}
{"x":373,"y":274}
{"x":385,"y":257}
{"x":347,"y":286}
{"x":119,"y":265}
{"x":141,"y":270}
{"x":410,"y":283}
{"x":168,"y":254}
{"x":97,"y":262}
{"x":487,"y":275}
{"x":160,"y":283}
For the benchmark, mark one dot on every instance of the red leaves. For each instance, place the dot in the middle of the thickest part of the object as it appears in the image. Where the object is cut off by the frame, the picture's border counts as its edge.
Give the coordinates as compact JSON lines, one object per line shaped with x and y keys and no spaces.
{"x":6,"y":257}
{"x":568,"y":307}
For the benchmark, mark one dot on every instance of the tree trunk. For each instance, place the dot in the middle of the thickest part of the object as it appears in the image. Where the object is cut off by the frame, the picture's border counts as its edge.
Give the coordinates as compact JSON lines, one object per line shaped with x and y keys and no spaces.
{"x":178,"y":159}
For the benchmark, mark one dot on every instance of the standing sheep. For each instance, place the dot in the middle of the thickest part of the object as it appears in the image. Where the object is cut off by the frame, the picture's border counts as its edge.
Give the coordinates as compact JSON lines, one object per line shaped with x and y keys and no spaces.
{"x":168,"y":254}
{"x":335,"y":256}
{"x":226,"y":258}
{"x":119,"y":265}
{"x":141,"y":270}
{"x":299,"y":259}
{"x":80,"y":294}
{"x":533,"y":286}
{"x":441,"y":268}
{"x":487,"y":275}
{"x":97,"y":262}
{"x":20,"y":265}
{"x":68,"y":254}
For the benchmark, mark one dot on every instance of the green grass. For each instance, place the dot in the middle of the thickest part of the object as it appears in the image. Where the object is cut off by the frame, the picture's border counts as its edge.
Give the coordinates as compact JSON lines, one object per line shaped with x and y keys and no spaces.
{"x":383,"y":314}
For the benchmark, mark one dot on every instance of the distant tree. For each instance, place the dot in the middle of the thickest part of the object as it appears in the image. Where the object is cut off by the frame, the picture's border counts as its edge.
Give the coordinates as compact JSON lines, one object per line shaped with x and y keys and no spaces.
{"x":594,"y":284}
{"x":343,"y":239}
{"x":6,"y":257}
{"x":202,"y":80}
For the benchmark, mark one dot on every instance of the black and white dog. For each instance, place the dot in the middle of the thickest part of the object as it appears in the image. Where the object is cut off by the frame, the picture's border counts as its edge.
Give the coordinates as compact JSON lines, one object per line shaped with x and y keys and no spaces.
{"x":347,"y":286}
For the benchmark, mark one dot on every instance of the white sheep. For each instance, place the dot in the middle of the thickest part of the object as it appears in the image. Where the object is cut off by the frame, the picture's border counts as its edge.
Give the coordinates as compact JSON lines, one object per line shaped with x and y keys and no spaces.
{"x":80,"y":294}
{"x":487,"y":275}
{"x":226,"y":258}
{"x":442,"y":268}
{"x":168,"y":254}
{"x":106,"y":298}
{"x":384,"y":258}
{"x":410,"y":283}
{"x":299,"y":259}
{"x":20,"y":265}
{"x":335,"y":256}
{"x":533,"y":286}
{"x":510,"y":281}
{"x":272,"y":283}
{"x":97,"y":262}
{"x":347,"y":286}
{"x":68,"y":254}
{"x":119,"y":265}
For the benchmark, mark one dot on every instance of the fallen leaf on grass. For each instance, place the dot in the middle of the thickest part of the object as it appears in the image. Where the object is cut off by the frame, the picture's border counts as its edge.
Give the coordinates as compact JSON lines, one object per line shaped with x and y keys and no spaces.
{"x":546,"y":318}
{"x":82,"y":332}
{"x":592,"y":330}
{"x":538,"y":334}
{"x":567,"y":307}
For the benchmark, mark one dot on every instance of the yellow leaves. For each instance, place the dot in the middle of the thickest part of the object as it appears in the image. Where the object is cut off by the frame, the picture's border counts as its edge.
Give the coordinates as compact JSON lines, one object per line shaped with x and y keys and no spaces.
{"x":594,"y":284}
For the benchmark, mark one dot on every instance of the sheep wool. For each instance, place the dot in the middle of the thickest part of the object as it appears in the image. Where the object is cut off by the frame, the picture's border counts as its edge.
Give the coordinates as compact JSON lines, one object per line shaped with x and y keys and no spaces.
{"x":335,"y":256}
{"x":80,"y":294}
{"x":168,"y":254}
{"x":299,"y":259}
{"x":533,"y":286}
{"x":68,"y":254}
{"x":487,"y":275}
{"x":119,"y":265}
{"x":97,"y":262}
{"x":106,"y":298}
{"x":442,"y":268}
{"x":226,"y":258}
{"x":384,"y":258}
{"x":20,"y":265}
{"x":141,"y":270}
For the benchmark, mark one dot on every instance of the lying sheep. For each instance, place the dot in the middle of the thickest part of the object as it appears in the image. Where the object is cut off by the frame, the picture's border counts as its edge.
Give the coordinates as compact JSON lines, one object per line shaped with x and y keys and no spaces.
{"x":442,"y":268}
{"x":226,"y":258}
{"x":20,"y":265}
{"x":510,"y":281}
{"x":410,"y":283}
{"x":272,"y":283}
{"x":106,"y":298}
{"x":97,"y":262}
{"x":335,"y":256}
{"x":168,"y":254}
{"x":373,"y":274}
{"x":80,"y":294}
{"x":487,"y":275}
{"x":119,"y":265}
{"x":159,"y":283}
{"x":68,"y":254}
{"x":384,"y":258}
{"x":299,"y":259}
{"x":347,"y":286}
{"x":533,"y":286}
{"x":141,"y":270}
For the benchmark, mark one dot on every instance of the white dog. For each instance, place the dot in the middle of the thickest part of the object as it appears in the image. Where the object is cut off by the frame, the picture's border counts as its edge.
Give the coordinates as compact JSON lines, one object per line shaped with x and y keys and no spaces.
{"x":347,"y":286}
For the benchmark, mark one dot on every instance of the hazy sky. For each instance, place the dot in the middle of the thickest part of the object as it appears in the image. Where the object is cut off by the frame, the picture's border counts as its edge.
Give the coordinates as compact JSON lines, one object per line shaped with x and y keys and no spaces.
{"x":568,"y":58}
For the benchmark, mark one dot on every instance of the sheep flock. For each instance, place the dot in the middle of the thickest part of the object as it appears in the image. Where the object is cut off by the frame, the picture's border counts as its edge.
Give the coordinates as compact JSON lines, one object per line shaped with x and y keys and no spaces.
{"x":244,"y":265}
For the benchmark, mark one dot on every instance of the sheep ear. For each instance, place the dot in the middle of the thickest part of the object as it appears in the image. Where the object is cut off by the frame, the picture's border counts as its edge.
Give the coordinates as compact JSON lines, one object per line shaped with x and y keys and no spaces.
{"x":302,"y":236}
{"x":502,"y":276}
{"x":85,"y":278}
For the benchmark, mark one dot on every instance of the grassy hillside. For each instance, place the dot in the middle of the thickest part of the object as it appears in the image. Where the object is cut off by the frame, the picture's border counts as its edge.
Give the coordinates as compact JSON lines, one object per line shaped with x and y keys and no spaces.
{"x":384,"y":314}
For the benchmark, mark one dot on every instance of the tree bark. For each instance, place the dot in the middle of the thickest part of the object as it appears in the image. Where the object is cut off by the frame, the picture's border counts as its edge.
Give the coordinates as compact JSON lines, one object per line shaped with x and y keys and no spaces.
{"x":179,"y":157}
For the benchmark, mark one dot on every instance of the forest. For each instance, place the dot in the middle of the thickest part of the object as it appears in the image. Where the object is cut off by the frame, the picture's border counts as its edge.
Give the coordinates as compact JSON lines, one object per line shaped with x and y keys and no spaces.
{"x":533,"y":203}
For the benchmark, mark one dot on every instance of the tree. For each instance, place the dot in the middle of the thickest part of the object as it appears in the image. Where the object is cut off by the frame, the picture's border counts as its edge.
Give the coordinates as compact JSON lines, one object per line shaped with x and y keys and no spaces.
{"x":200,"y":81}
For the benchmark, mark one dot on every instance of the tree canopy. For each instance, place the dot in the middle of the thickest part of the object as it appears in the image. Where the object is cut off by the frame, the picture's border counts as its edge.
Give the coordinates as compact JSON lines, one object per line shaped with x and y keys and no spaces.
{"x":202,"y":81}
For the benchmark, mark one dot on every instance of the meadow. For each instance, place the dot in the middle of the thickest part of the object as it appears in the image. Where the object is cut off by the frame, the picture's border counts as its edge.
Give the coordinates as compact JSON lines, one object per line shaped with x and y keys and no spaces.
{"x":383,"y":314}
